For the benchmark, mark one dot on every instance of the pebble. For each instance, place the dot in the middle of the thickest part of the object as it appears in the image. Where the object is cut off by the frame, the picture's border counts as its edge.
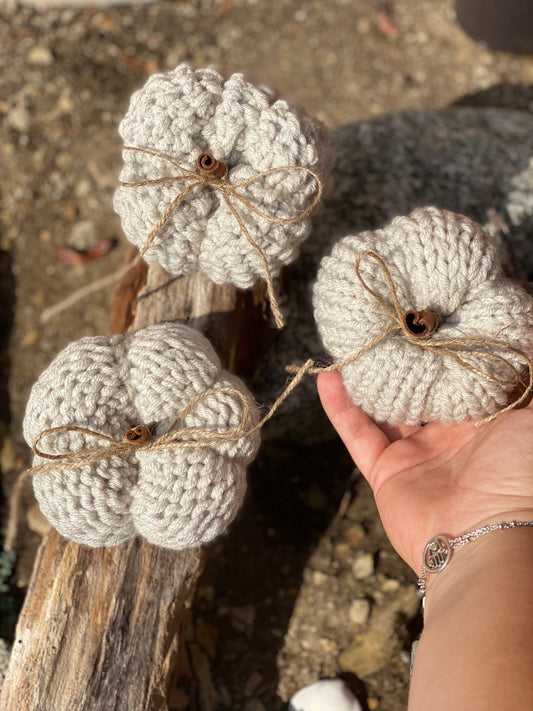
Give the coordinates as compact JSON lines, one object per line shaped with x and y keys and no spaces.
{"x":82,"y":188}
{"x":252,"y":684}
{"x":390,"y":585}
{"x":40,"y":56}
{"x":372,"y":703}
{"x":243,"y":618}
{"x":30,"y":338}
{"x":324,"y":695}
{"x":19,"y":118}
{"x":354,"y":534}
{"x":254,"y":705}
{"x":83,"y":235}
{"x":65,"y":103}
{"x":359,"y":611}
{"x":319,"y":578}
{"x":342,"y":552}
{"x":315,"y":498}
{"x":363,"y":566}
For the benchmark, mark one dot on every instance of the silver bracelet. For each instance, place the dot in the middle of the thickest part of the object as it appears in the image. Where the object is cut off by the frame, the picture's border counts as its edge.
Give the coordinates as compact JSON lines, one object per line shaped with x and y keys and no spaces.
{"x":438,"y":551}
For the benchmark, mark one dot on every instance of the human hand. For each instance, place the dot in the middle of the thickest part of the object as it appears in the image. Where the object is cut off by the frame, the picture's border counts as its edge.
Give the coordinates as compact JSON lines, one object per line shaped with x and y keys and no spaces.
{"x":439,"y":478}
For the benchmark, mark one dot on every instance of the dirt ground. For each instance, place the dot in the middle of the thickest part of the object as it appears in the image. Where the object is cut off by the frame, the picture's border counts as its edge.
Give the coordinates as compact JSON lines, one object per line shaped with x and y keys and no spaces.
{"x":309,"y":531}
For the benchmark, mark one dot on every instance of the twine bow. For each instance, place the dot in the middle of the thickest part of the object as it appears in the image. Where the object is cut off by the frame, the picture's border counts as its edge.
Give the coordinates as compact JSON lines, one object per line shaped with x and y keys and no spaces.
{"x":417,"y":328}
{"x":213,"y":174}
{"x":139,"y":439}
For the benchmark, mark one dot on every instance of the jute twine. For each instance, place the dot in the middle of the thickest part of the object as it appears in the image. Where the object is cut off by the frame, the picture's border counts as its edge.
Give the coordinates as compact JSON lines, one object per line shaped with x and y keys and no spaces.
{"x":213,"y":174}
{"x":455,"y":348}
{"x":139,"y":439}
{"x":210,"y":174}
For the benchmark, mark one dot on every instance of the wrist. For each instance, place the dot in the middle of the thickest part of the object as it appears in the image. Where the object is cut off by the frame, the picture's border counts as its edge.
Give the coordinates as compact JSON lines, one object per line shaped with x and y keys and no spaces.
{"x":498,"y":553}
{"x":478,"y":626}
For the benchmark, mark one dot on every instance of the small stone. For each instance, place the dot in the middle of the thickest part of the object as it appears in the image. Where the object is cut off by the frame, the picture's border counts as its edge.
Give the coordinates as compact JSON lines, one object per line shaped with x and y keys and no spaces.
{"x":19,"y":118}
{"x":63,"y":160}
{"x":363,"y":25}
{"x":315,"y":498}
{"x":243,"y":618}
{"x":83,"y":235}
{"x":328,"y":646}
{"x":254,"y":705}
{"x":65,"y":103}
{"x":372,"y":703}
{"x":359,"y":611}
{"x":252,"y":684}
{"x":324,"y":695}
{"x":363,"y":566}
{"x":354,"y":534}
{"x":390,"y":585}
{"x":319,"y":578}
{"x":342,"y":551}
{"x":30,"y":338}
{"x":40,"y":56}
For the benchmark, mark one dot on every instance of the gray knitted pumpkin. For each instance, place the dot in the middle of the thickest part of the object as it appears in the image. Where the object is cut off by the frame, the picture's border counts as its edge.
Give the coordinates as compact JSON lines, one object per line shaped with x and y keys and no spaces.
{"x":186,"y":113}
{"x":446,"y":271}
{"x":176,"y":498}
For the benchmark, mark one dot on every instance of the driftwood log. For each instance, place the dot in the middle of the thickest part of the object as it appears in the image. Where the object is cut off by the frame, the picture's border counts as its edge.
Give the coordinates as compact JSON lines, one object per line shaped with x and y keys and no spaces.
{"x":100,"y":628}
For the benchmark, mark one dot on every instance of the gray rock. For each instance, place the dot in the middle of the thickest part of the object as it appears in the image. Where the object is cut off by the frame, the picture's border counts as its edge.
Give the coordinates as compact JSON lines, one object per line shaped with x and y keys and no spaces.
{"x":476,"y":161}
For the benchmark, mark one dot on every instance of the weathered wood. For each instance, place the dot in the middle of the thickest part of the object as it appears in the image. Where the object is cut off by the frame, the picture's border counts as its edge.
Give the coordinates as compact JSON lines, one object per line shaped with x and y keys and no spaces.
{"x":100,"y":628}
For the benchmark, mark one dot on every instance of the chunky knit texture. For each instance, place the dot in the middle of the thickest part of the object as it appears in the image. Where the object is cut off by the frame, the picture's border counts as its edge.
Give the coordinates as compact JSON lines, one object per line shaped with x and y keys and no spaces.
{"x":173,"y":498}
{"x":441,"y":262}
{"x":186,"y":112}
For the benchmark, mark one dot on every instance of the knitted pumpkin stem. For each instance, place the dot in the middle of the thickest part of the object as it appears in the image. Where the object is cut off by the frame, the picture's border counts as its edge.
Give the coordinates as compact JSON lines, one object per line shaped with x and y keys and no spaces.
{"x":420,"y":324}
{"x":210,"y":167}
{"x":138,"y":435}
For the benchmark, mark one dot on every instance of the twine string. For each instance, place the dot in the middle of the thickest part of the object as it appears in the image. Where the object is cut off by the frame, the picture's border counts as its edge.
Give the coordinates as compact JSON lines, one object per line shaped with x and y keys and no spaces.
{"x":455,"y":348}
{"x":174,"y":438}
{"x":229,"y":192}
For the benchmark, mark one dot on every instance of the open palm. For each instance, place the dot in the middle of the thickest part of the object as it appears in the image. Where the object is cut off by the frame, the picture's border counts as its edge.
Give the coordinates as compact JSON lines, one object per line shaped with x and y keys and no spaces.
{"x":438,"y":478}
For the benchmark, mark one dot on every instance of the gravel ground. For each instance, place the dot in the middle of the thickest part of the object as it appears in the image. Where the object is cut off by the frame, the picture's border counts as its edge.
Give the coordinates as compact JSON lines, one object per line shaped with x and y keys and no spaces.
{"x":309,"y":538}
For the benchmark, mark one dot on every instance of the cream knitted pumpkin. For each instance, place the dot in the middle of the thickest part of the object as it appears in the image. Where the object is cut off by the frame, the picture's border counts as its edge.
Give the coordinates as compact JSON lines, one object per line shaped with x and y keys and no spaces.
{"x":187,"y":112}
{"x":176,"y":498}
{"x":442,"y":263}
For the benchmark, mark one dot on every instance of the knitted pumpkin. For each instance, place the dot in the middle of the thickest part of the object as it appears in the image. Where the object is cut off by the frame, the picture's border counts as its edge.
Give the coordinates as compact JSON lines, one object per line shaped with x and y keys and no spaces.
{"x":449,"y":286}
{"x":237,"y":131}
{"x":175,"y":497}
